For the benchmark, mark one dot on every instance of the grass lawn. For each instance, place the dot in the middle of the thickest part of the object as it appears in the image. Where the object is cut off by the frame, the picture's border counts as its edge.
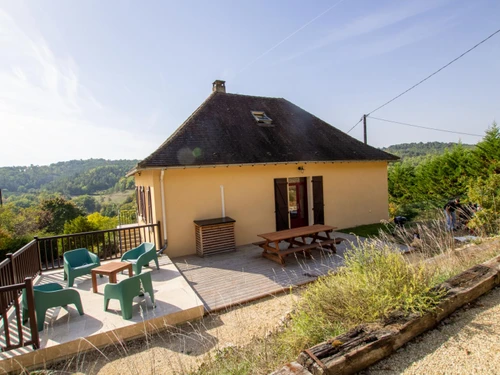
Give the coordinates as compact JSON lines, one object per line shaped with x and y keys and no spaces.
{"x":118,"y":197}
{"x":370,"y":230}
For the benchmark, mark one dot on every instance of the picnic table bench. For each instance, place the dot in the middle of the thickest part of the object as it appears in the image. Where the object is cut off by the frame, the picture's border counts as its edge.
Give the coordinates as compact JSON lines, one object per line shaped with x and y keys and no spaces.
{"x":297,"y":240}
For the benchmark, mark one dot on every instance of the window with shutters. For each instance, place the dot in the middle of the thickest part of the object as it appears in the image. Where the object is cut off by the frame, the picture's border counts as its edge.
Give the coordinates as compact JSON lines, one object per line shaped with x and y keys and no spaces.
{"x":144,"y":204}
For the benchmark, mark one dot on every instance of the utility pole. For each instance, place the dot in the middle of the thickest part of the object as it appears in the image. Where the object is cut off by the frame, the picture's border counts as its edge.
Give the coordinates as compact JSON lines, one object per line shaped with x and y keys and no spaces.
{"x":364,"y":128}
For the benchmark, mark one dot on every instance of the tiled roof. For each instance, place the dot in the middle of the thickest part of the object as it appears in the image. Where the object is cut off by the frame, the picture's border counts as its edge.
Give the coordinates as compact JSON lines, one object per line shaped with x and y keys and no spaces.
{"x":223,"y":131}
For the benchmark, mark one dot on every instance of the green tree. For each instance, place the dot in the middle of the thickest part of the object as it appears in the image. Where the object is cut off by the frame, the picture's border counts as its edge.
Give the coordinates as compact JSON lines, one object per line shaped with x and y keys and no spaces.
{"x":59,"y":212}
{"x":102,"y":222}
{"x":87,"y":204}
{"x":486,"y":192}
{"x":79,"y":225}
{"x":487,"y":153}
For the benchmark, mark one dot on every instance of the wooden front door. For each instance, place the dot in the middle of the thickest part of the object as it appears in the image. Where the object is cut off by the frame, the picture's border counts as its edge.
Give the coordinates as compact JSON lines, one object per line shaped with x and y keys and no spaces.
{"x":297,"y":202}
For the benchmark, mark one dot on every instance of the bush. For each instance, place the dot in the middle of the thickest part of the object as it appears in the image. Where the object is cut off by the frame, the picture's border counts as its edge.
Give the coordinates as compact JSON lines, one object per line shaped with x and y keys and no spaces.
{"x":485,"y":192}
{"x":373,"y":283}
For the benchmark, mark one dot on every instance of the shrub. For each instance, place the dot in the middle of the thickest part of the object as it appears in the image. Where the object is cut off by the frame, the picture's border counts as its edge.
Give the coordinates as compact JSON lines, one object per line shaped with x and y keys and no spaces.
{"x":374,"y":282}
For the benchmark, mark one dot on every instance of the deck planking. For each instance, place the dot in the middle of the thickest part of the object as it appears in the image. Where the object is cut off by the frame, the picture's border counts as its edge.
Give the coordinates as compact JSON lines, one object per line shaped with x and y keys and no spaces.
{"x":229,"y":279}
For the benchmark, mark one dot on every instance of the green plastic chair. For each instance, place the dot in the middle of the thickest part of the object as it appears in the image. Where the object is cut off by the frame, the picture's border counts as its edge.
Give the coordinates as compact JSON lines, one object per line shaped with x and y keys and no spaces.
{"x":77,"y":263}
{"x":48,"y":296}
{"x":126,"y":290}
{"x":141,"y":256}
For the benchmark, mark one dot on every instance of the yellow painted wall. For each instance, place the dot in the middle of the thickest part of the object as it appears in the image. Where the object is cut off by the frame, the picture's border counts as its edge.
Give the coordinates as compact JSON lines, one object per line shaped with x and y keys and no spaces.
{"x":354,"y":194}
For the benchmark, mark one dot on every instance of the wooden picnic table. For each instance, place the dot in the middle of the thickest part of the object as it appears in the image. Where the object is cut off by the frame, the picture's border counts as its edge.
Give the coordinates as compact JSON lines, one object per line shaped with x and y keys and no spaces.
{"x":297,"y":239}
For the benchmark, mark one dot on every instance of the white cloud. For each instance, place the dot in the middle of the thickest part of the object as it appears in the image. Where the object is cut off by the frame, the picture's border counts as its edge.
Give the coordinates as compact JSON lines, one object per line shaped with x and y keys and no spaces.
{"x":46,"y":114}
{"x":370,"y":24}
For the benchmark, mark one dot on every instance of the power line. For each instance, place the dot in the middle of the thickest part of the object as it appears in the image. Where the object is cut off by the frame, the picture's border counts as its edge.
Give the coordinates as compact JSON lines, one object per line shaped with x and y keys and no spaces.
{"x":424,"y":127}
{"x":356,"y":124}
{"x":289,"y":36}
{"x":436,"y":72}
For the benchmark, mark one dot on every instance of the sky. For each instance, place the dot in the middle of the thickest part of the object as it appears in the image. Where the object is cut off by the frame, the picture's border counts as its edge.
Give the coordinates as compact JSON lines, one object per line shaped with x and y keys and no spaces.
{"x":114,"y":79}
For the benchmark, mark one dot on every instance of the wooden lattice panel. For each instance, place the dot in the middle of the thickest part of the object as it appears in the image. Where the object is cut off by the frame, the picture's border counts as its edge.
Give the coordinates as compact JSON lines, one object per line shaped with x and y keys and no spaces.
{"x":214,"y":236}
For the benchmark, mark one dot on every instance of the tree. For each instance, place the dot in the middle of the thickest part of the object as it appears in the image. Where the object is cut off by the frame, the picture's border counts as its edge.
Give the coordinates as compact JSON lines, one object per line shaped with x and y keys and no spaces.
{"x":487,"y":152}
{"x":59,"y":212}
{"x":87,"y":204}
{"x":79,"y":225}
{"x":102,"y":222}
{"x":486,"y":193}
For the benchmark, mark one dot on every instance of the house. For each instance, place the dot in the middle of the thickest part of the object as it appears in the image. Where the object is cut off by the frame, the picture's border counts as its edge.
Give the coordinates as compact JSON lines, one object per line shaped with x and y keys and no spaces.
{"x":266,"y":163}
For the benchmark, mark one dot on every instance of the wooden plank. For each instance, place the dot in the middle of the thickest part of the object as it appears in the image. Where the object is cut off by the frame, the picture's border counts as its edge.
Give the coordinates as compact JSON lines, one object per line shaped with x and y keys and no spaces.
{"x":296,"y":232}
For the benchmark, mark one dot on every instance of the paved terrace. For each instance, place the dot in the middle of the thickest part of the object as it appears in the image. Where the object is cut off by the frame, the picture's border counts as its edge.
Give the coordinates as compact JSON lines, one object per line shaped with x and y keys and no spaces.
{"x":66,"y":332}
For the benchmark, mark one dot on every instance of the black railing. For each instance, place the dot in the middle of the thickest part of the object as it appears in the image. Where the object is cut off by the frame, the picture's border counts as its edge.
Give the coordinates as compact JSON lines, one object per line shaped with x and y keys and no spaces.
{"x":107,"y":244}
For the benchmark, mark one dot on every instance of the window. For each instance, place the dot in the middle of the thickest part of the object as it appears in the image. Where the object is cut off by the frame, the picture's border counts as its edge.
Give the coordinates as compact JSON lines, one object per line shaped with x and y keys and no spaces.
{"x":261,"y":117}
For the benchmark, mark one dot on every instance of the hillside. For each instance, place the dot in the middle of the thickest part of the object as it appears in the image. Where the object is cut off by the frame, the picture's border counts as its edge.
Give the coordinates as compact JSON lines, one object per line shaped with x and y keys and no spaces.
{"x":75,"y":177}
{"x":78,"y":177}
{"x":420,"y":149}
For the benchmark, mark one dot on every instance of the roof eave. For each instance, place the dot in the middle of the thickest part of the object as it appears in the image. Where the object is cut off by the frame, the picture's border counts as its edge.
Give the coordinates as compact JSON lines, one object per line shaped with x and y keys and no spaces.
{"x":198,"y":166}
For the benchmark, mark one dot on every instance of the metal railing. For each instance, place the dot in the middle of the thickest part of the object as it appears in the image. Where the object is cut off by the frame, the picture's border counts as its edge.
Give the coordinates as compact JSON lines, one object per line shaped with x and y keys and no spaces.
{"x":107,"y":244}
{"x":126,"y":217}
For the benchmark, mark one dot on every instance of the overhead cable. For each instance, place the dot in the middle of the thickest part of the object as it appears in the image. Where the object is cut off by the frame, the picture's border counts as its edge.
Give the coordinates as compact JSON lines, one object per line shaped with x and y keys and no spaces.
{"x":356,"y":124}
{"x":436,"y":72}
{"x":425,"y":127}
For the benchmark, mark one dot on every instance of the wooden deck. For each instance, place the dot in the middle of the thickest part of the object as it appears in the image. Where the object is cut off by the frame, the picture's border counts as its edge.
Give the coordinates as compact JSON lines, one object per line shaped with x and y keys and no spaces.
{"x":229,"y":279}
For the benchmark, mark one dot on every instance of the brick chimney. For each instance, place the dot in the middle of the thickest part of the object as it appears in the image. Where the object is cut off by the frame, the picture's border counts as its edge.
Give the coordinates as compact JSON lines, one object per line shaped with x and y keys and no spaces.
{"x":219,"y":86}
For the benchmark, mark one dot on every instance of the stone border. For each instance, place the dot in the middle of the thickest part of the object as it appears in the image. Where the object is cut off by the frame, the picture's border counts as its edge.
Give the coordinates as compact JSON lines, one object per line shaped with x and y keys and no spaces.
{"x":364,"y":345}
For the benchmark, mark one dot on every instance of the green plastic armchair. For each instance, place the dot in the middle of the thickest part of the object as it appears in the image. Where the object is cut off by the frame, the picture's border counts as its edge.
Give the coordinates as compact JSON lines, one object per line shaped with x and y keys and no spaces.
{"x":126,"y":290}
{"x":141,"y":256}
{"x":48,"y":296}
{"x":77,"y":263}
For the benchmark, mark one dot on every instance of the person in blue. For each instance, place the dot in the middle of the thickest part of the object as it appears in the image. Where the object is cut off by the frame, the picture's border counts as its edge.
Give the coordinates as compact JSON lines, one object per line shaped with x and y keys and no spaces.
{"x":450,"y":209}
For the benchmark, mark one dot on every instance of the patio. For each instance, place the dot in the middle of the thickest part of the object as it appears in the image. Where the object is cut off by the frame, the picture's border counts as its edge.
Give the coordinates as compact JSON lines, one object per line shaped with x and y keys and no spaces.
{"x":185,"y":289}
{"x":66,"y":332}
{"x":233,"y":278}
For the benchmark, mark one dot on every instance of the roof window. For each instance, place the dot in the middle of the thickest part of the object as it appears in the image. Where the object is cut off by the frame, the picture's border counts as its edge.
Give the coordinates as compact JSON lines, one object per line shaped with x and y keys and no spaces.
{"x":262,"y":118}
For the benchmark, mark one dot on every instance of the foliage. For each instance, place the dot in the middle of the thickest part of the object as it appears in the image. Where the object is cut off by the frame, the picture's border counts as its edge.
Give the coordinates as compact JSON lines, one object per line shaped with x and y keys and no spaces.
{"x":438,"y":177}
{"x":59,"y":212}
{"x":75,"y":177}
{"x":87,"y":203}
{"x":420,"y":150}
{"x":374,"y":283}
{"x":102,"y":222}
{"x":486,"y":192}
{"x":79,"y":225}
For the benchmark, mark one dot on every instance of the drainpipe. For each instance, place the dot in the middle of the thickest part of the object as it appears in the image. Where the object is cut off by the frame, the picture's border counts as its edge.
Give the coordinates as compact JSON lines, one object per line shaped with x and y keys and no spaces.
{"x":164,"y":215}
{"x":222,"y":199}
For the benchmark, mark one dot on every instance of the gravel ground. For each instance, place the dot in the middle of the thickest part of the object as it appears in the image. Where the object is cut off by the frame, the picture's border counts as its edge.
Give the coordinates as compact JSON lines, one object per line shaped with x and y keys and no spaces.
{"x":468,"y":342}
{"x":179,"y":350}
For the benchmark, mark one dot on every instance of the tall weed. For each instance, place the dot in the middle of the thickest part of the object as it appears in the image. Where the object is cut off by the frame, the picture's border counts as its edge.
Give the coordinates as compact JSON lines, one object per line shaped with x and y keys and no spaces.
{"x":374,"y":282}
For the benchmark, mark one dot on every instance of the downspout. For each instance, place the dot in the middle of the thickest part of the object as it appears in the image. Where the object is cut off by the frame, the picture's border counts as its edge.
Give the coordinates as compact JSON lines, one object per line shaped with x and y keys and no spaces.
{"x":163,"y":213}
{"x":222,"y":199}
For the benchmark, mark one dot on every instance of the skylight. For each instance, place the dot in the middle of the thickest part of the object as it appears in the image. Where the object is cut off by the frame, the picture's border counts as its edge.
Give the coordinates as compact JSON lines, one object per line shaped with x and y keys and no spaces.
{"x":261,"y":117}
